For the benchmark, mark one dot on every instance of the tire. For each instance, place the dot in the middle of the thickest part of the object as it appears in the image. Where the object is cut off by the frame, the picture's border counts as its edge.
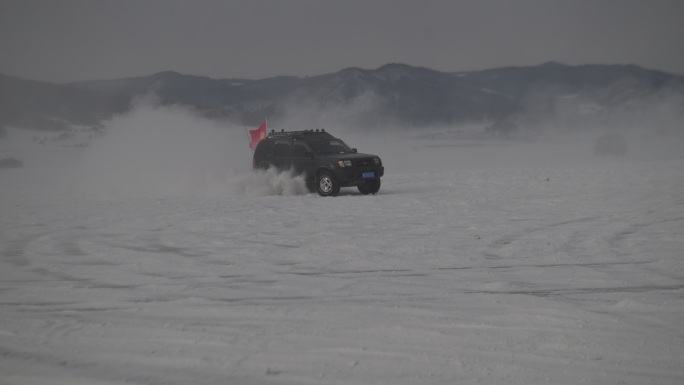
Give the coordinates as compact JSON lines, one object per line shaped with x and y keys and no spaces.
{"x":371,"y":186}
{"x":327,"y":185}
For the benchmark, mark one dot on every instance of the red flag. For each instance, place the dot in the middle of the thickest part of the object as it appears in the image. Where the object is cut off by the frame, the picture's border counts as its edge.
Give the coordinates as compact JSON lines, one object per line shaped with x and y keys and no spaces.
{"x":257,"y":135}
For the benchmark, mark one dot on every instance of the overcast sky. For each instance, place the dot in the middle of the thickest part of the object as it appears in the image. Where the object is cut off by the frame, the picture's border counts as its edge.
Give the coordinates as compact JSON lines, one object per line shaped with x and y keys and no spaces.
{"x":71,"y":40}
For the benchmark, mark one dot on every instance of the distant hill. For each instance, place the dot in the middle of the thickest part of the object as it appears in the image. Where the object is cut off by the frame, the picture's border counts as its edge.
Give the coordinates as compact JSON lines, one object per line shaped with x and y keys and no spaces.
{"x":557,"y":96}
{"x":232,"y":99}
{"x":53,"y":107}
{"x":509,"y":101}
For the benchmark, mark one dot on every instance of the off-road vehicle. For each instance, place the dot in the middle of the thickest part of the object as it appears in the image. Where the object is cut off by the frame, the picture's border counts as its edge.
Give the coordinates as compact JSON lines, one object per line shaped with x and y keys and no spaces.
{"x":326,"y":162}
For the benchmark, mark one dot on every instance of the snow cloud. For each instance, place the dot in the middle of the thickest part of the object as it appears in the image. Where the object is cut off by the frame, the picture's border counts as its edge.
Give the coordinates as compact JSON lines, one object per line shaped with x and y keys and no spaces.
{"x":170,"y":150}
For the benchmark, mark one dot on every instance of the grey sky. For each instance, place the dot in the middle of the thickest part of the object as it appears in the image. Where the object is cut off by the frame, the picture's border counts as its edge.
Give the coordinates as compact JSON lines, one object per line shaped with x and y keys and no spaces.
{"x":72,"y":40}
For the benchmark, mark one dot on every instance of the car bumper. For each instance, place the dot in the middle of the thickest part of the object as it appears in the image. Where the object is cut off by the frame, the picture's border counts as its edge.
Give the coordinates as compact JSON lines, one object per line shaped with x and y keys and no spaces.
{"x":352,"y":177}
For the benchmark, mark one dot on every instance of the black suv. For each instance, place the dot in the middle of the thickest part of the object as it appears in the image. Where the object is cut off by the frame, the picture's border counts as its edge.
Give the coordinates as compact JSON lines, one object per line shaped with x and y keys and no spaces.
{"x":326,"y":162}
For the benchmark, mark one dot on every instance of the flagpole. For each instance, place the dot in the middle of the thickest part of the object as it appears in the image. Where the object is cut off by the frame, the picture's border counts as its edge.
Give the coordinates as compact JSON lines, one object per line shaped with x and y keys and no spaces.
{"x":246,"y":131}
{"x":249,"y":137}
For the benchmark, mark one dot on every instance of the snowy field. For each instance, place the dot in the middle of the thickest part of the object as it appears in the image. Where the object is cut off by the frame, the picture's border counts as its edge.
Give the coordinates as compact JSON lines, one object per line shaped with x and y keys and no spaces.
{"x":142,"y":260}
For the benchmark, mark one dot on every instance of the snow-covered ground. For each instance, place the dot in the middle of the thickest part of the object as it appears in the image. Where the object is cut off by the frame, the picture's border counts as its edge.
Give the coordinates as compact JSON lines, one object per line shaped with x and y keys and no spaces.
{"x":478,"y":263}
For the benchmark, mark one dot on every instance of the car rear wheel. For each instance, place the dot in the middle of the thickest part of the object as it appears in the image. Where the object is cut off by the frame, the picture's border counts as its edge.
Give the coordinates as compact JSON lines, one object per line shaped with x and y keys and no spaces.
{"x":327,"y":184}
{"x":371,"y":186}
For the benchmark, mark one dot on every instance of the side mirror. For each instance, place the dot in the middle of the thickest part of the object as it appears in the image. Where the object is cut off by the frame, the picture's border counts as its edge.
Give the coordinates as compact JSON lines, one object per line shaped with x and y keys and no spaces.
{"x":354,"y":151}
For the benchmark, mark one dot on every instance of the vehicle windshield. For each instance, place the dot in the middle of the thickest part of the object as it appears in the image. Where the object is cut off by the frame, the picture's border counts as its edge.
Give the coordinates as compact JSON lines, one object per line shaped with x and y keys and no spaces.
{"x":329,"y":146}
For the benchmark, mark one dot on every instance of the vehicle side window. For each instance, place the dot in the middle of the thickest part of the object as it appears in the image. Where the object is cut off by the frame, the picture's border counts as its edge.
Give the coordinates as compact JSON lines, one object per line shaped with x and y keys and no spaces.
{"x":299,"y":150}
{"x":263,"y":149}
{"x":281,"y":149}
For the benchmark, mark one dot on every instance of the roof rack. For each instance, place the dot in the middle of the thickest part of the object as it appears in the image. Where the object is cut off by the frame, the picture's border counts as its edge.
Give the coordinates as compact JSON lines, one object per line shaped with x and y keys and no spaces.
{"x":276,"y":134}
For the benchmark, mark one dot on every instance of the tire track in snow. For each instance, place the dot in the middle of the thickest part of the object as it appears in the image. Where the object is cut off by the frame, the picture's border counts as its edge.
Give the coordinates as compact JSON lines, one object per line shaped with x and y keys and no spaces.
{"x":585,"y":290}
{"x":509,"y":239}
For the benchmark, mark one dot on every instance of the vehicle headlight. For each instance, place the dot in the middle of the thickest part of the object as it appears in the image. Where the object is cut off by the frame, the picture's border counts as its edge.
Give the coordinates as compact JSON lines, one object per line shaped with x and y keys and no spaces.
{"x":376,"y":160}
{"x":344,"y":163}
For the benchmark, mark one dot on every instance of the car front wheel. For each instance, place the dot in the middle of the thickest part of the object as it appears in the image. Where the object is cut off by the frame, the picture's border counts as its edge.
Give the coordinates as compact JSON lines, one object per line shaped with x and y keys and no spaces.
{"x":327,"y":184}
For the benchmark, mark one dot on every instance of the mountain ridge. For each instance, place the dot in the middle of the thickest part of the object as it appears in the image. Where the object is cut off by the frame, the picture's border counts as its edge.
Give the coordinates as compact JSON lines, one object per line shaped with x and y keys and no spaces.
{"x":511,"y":99}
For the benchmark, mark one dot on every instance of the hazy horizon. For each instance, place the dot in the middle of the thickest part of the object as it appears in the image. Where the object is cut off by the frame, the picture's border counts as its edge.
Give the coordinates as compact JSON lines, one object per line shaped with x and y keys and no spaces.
{"x":75,"y":40}
{"x":142,"y":75}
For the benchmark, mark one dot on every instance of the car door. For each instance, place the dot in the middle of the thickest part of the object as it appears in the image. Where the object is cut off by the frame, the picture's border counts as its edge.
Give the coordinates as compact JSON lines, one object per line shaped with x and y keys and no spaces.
{"x":303,"y":161}
{"x":282,"y":157}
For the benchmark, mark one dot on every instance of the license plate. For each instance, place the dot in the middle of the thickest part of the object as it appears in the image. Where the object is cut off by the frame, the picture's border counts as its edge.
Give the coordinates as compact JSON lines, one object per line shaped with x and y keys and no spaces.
{"x":368,"y":175}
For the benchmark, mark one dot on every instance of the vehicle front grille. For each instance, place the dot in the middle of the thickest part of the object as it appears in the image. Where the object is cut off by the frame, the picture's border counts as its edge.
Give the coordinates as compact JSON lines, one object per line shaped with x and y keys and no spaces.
{"x":364,"y":162}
